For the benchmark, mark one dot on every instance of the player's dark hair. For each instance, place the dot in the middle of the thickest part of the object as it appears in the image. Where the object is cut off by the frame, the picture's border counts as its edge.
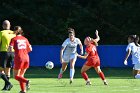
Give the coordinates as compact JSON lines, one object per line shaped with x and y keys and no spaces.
{"x":18,"y":30}
{"x":135,"y":39}
{"x":71,"y":30}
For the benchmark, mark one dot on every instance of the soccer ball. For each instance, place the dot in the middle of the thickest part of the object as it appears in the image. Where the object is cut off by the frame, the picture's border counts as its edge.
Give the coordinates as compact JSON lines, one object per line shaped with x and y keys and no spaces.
{"x":49,"y":65}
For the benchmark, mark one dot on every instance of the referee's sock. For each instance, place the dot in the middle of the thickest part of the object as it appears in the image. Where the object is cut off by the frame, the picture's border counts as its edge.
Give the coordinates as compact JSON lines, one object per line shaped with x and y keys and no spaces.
{"x":8,"y":77}
{"x":3,"y":76}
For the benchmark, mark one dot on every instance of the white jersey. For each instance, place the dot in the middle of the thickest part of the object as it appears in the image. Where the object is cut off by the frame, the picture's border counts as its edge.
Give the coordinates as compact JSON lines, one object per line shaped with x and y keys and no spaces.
{"x":135,"y":51}
{"x":71,"y":47}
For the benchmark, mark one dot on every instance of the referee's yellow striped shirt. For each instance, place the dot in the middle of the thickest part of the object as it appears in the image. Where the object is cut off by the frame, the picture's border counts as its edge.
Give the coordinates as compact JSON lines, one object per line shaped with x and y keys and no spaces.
{"x":5,"y":38}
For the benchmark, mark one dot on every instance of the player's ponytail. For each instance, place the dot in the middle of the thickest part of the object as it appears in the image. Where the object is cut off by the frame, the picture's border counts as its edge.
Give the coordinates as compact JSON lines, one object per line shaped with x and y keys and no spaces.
{"x":18,"y":30}
{"x":135,"y":39}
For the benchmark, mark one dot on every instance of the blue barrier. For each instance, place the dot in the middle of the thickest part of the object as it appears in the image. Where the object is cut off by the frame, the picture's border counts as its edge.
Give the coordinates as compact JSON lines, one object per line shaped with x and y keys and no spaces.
{"x":110,"y":55}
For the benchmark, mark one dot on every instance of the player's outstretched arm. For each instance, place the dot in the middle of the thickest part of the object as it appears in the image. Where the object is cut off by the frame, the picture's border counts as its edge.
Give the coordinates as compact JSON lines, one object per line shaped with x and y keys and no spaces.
{"x":95,"y":41}
{"x":83,"y":57}
{"x":97,"y":36}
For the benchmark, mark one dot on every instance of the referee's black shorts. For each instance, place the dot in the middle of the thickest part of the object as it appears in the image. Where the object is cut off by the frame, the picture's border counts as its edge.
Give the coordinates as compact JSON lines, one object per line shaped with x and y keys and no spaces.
{"x":6,"y":59}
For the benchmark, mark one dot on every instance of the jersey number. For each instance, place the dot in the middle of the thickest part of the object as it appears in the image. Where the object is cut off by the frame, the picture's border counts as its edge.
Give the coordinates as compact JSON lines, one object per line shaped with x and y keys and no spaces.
{"x":21,"y":44}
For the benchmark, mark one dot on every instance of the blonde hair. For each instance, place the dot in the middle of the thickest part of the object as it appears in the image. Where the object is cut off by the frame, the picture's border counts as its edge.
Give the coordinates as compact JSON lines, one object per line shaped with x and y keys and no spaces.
{"x":91,"y":40}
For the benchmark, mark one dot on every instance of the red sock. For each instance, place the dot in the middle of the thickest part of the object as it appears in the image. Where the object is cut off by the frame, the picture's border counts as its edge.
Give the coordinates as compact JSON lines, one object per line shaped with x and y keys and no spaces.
{"x":84,"y":75}
{"x":22,"y":79}
{"x":22,"y":85}
{"x":101,"y":74}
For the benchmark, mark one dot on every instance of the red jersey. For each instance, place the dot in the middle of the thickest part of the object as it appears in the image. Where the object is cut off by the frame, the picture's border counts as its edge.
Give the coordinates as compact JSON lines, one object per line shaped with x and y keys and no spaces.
{"x":93,"y":58}
{"x":20,"y":45}
{"x":92,"y":51}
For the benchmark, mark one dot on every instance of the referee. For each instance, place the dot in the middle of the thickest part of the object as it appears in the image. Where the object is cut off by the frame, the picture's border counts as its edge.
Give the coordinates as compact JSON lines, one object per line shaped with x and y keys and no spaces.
{"x":6,"y":57}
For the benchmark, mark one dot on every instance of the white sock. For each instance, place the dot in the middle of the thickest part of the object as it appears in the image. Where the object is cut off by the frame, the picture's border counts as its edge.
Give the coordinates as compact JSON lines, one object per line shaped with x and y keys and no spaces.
{"x":61,"y":72}
{"x":137,"y":76}
{"x":88,"y":80}
{"x":104,"y":80}
{"x":72,"y":71}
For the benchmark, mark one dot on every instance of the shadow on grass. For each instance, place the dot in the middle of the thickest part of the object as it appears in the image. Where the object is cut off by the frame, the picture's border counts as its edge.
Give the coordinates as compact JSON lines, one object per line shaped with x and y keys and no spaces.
{"x":112,"y":73}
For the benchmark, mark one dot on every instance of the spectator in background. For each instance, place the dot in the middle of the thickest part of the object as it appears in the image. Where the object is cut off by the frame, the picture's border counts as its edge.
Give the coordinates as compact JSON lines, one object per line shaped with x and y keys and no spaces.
{"x":133,"y":48}
{"x":93,"y":59}
{"x":22,"y":47}
{"x":68,"y":53}
{"x":6,"y":57}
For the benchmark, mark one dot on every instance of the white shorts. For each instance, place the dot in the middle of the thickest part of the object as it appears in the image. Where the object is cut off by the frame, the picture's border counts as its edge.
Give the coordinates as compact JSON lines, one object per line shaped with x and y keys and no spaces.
{"x":68,"y":57}
{"x":136,"y":66}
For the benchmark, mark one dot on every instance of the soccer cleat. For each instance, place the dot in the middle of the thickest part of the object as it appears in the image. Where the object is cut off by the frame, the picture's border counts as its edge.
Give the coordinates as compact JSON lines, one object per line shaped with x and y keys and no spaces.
{"x":88,"y":83}
{"x":60,"y":76}
{"x":9,"y":87}
{"x":4,"y":88}
{"x":71,"y":81}
{"x":28,"y":85}
{"x":105,"y":83}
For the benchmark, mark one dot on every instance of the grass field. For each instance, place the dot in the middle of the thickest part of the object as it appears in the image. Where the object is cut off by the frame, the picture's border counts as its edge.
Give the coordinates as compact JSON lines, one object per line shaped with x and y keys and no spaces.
{"x":45,"y":81}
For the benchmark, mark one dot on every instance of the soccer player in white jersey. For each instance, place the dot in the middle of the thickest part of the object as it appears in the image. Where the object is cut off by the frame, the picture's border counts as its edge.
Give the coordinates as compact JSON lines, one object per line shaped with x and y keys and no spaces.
{"x":68,"y":53}
{"x":133,"y":48}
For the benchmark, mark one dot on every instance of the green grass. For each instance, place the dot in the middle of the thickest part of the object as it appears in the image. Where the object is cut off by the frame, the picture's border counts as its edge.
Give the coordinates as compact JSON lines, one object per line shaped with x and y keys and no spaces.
{"x":45,"y":81}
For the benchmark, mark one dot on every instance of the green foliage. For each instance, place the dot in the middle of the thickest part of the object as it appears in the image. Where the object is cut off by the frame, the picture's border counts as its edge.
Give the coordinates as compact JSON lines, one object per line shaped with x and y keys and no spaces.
{"x":46,"y":21}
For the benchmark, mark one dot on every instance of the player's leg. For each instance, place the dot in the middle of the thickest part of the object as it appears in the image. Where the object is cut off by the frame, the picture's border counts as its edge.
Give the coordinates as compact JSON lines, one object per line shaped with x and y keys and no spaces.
{"x":7,"y":72}
{"x":8,"y":85}
{"x":101,"y":74}
{"x":22,"y":72}
{"x":3,"y":63}
{"x":136,"y":71}
{"x":18,"y":78}
{"x":10,"y":57}
{"x":84,"y":74}
{"x":72,"y":70}
{"x":62,"y":69}
{"x":18,"y":73}
{"x":19,"y":70}
{"x":22,"y":75}
{"x":72,"y":64}
{"x":138,"y":74}
{"x":64,"y":65}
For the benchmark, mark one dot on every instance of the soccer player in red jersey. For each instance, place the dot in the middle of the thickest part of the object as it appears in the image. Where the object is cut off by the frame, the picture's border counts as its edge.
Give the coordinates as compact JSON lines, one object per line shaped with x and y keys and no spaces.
{"x":21,"y":46}
{"x":92,"y":57}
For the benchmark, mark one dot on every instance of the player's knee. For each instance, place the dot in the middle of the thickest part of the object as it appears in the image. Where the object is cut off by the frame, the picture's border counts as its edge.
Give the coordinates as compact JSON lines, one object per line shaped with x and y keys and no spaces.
{"x":98,"y":71}
{"x":82,"y":71}
{"x":71,"y":67}
{"x":16,"y":77}
{"x":63,"y":69}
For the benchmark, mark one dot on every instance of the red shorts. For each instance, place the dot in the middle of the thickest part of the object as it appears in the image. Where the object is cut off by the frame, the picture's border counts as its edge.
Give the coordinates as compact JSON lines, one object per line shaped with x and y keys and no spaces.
{"x":21,"y":64}
{"x":93,"y":62}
